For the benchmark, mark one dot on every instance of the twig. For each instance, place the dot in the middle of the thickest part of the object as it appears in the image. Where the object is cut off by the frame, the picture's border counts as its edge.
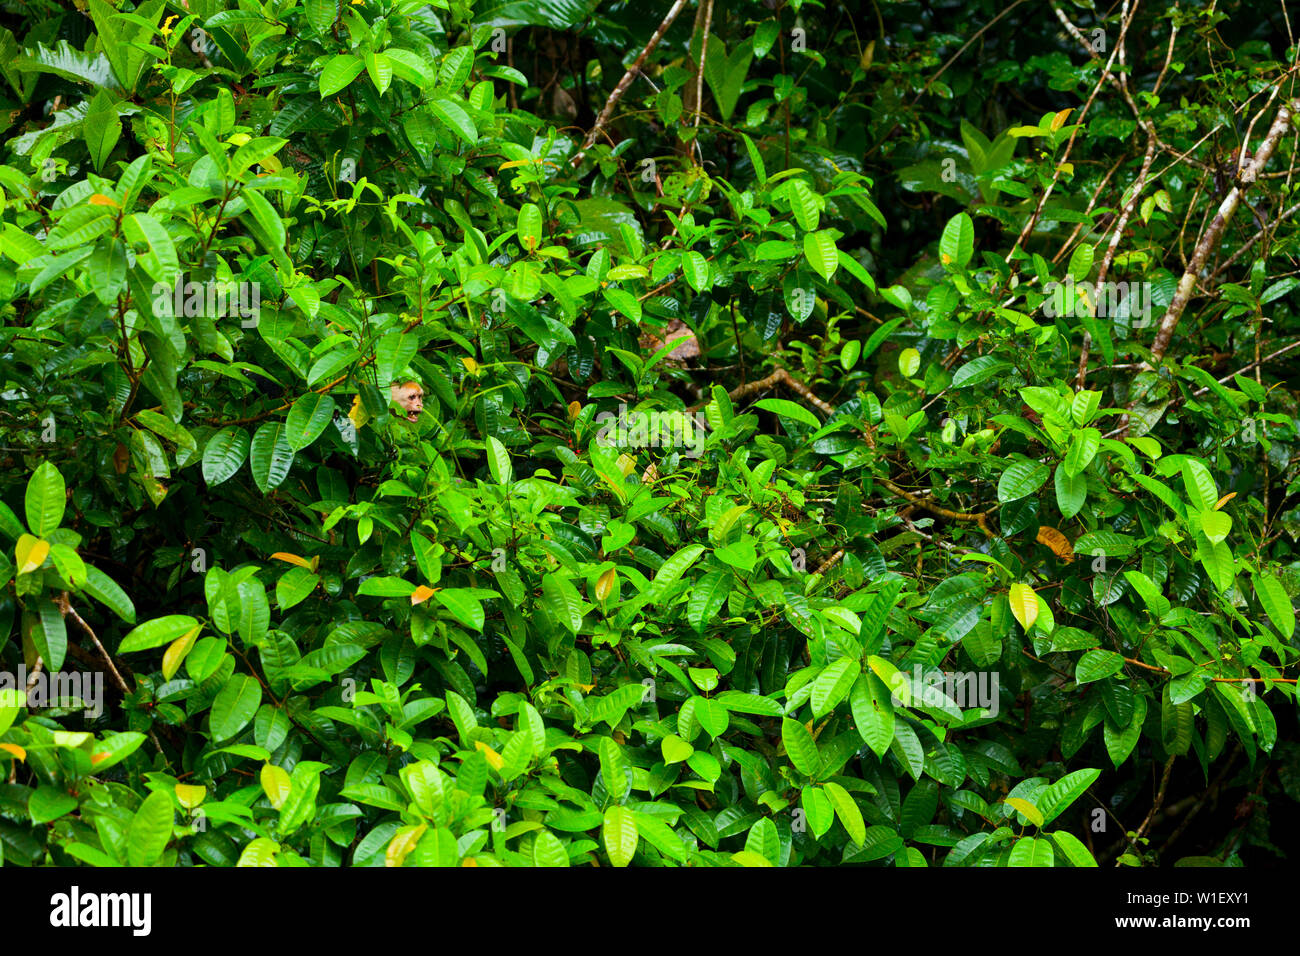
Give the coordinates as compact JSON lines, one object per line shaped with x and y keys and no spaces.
{"x":1209,"y":240}
{"x":1125,"y":214}
{"x":34,"y":675}
{"x":1160,"y":798}
{"x":67,"y":610}
{"x":624,"y":83}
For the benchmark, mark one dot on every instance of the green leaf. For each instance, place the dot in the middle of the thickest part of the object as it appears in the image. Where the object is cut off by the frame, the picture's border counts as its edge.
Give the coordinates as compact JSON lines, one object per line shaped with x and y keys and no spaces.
{"x":1276,"y":602}
{"x":1029,"y":851}
{"x":979,"y":370}
{"x":451,"y":115}
{"x":270,"y":455}
{"x":498,"y":460}
{"x":528,"y":226}
{"x":833,"y":685}
{"x":848,"y":811}
{"x":1120,"y":743}
{"x":563,"y":601}
{"x":309,"y":416}
{"x":800,"y":747}
{"x":619,"y":834}
{"x":1215,"y":525}
{"x":696,"y":270}
{"x":1071,"y":492}
{"x":1097,"y":664}
{"x":11,"y":701}
{"x":1072,"y":848}
{"x":1109,"y":543}
{"x":464,"y":605}
{"x":661,"y":836}
{"x":957,"y":244}
{"x":150,"y":830}
{"x":788,"y":409}
{"x":1021,"y":479}
{"x":340,"y":71}
{"x":1217,"y":559}
{"x":1083,"y":408}
{"x":726,"y":74}
{"x":873,"y":712}
{"x":234,"y":707}
{"x":224,"y":454}
{"x":764,"y":841}
{"x":1081,"y":262}
{"x":613,"y":769}
{"x":1083,"y":448}
{"x":1199,"y":484}
{"x":102,"y":129}
{"x":156,"y":633}
{"x":45,"y":501}
{"x":821,"y":252}
{"x":50,"y":634}
{"x":803,"y":204}
{"x":47,"y":804}
{"x":1055,"y":799}
{"x":818,"y":808}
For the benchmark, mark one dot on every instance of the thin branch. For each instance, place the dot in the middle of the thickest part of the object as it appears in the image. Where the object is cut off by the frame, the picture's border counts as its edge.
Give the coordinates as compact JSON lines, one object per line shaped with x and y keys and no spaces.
{"x":624,"y":83}
{"x":1209,"y":240}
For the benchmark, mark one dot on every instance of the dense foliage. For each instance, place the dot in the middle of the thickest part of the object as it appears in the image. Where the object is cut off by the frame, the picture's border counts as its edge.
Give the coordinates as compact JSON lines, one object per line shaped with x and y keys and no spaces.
{"x":964,"y":327}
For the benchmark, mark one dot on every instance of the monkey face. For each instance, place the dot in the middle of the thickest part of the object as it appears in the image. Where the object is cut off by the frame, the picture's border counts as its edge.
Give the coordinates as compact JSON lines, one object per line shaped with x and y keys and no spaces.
{"x":411,"y":397}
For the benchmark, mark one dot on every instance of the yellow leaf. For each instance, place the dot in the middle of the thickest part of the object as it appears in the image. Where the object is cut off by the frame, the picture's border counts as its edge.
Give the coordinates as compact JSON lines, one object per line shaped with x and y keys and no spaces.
{"x":1059,"y":119}
{"x":177,"y":651}
{"x":275,"y":784}
{"x":471,"y":366}
{"x":14,"y":749}
{"x":402,"y":843}
{"x":421,"y":594}
{"x":190,"y":796}
{"x":1025,"y":807}
{"x":1058,"y":542}
{"x":1024,"y":604}
{"x":626,"y":464}
{"x":575,"y":409}
{"x":99,"y":199}
{"x":292,"y":559}
{"x":359,"y":415}
{"x":605,"y":585}
{"x":1225,"y":499}
{"x":868,"y":54}
{"x":468,"y":861}
{"x":493,"y":758}
{"x":31,"y":553}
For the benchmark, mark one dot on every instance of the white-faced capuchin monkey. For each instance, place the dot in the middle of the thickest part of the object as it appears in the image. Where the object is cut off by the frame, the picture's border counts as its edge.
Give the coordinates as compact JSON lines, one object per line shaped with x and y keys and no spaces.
{"x":410,"y":396}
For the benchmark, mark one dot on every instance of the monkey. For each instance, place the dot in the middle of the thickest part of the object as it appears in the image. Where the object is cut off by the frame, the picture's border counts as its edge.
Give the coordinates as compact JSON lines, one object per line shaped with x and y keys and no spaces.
{"x":410,"y":396}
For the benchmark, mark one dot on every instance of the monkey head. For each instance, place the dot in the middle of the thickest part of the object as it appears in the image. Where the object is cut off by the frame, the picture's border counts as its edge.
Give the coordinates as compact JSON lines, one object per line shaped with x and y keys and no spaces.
{"x":410,"y":396}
